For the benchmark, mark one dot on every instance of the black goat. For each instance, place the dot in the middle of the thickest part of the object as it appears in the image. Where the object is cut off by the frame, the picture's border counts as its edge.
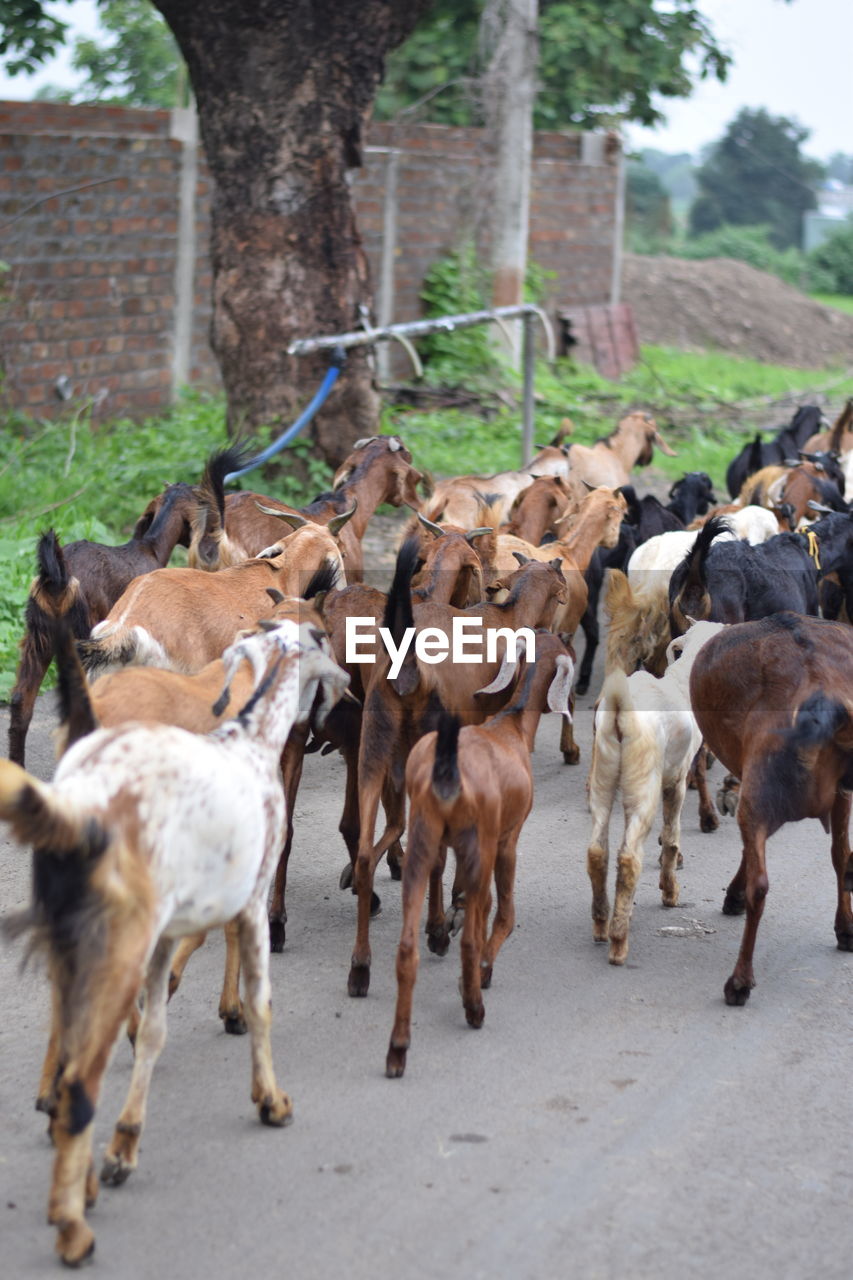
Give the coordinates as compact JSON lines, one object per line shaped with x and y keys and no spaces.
{"x":691,"y":496}
{"x":84,"y":581}
{"x":731,"y":581}
{"x":787,"y":443}
{"x":646,"y":517}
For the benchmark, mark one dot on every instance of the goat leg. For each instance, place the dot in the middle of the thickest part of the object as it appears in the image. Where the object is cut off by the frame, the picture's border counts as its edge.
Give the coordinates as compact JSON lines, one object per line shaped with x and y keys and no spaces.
{"x":841,"y":861}
{"x":742,"y":978}
{"x":274,"y":1106}
{"x":414,"y":890}
{"x":122,"y":1153}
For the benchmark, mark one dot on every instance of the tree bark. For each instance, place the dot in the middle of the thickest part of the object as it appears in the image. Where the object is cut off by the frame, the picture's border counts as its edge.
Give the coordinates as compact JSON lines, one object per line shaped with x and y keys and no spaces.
{"x":284,"y":90}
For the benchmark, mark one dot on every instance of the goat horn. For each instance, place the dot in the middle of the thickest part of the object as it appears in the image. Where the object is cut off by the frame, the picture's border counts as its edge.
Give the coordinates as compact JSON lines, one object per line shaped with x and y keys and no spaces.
{"x":818,"y":506}
{"x":587,"y":485}
{"x":337,"y":522}
{"x":477,"y":533}
{"x":395,"y":444}
{"x":522,"y":559}
{"x":275,"y":595}
{"x":434,"y":529}
{"x":289,"y":517}
{"x":364,"y":442}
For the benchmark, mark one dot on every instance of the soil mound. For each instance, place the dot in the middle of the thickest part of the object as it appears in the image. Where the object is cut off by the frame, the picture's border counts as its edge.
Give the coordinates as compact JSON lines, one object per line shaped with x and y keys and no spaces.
{"x":719,"y":304}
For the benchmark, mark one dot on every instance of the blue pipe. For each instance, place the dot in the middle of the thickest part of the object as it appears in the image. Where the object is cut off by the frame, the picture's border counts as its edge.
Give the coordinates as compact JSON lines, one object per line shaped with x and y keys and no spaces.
{"x":332,"y":374}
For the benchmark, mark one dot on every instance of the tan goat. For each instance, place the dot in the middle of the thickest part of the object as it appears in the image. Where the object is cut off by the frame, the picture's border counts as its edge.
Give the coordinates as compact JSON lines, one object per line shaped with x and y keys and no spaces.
{"x":184,"y":618}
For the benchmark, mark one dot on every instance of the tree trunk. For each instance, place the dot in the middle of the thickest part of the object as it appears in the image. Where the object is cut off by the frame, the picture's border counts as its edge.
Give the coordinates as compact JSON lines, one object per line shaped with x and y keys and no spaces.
{"x":284,"y":90}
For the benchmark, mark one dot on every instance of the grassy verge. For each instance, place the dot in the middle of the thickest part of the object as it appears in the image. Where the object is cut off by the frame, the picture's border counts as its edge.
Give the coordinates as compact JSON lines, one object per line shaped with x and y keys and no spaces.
{"x":843,"y":302}
{"x":94,"y":482}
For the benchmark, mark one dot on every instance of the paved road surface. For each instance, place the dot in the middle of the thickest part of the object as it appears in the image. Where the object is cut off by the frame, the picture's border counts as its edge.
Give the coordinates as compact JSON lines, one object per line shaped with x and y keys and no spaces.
{"x":604,"y":1123}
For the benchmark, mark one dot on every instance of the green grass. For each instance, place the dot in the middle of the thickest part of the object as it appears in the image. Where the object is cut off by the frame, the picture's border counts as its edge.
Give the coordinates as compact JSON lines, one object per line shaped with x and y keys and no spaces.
{"x":843,"y":302}
{"x":94,"y":481}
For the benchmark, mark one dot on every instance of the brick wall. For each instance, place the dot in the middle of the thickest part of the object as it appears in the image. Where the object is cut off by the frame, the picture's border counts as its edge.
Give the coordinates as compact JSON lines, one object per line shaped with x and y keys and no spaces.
{"x":89,"y":225}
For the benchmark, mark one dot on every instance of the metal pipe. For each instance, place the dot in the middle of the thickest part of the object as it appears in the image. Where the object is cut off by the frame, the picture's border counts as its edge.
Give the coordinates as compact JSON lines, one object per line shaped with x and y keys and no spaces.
{"x":528,"y":359}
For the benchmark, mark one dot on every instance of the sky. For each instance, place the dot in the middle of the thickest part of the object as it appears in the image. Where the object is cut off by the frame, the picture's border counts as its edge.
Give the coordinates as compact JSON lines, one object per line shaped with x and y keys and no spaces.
{"x":792,"y":59}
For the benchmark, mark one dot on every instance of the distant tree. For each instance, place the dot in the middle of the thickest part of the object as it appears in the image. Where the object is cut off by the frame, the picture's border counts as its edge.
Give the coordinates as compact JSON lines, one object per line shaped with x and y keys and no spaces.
{"x":831,"y":263}
{"x":600,"y":61}
{"x":840,"y":167}
{"x":677,"y":172}
{"x":756,"y":175}
{"x":648,"y":214}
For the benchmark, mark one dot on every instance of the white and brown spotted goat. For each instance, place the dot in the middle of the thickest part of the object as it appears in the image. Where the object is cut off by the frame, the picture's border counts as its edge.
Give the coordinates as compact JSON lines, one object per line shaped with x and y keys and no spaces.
{"x":148,"y":833}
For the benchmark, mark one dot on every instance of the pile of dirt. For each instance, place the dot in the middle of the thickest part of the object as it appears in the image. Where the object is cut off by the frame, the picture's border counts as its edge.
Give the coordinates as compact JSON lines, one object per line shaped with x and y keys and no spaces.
{"x":719,"y":304}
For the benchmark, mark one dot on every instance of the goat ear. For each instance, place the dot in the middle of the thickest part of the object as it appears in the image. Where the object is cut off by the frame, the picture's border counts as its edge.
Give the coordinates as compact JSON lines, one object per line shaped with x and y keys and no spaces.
{"x":337,"y":522}
{"x":559,"y":697}
{"x":557,"y":564}
{"x":506,"y":671}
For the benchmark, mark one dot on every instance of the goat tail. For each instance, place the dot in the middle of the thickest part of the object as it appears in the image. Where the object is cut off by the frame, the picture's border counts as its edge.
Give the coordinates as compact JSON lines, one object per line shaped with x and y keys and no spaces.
{"x":111,"y":646}
{"x":612,"y":713}
{"x":842,"y":424}
{"x":398,"y":609}
{"x":210,"y":547}
{"x":692,"y":601}
{"x":818,"y":721}
{"x":446,"y":779}
{"x":35,"y":815}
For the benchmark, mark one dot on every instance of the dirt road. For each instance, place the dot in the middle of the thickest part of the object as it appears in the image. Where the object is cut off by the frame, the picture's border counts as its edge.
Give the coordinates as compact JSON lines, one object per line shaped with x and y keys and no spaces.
{"x":603,"y":1123}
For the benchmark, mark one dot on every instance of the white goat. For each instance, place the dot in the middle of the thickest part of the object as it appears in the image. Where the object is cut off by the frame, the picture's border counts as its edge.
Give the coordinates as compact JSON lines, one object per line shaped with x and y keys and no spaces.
{"x":146,"y":834}
{"x":645,"y":739}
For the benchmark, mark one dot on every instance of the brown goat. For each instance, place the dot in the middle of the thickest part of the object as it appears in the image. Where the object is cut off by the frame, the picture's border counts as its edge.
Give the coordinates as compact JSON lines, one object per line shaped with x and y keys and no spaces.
{"x":542,"y":506}
{"x":472,"y":790}
{"x":457,"y":499}
{"x":399,"y":706}
{"x":610,"y":461}
{"x":83,"y":582}
{"x":378,"y":470}
{"x":773,"y":701}
{"x":184,"y":618}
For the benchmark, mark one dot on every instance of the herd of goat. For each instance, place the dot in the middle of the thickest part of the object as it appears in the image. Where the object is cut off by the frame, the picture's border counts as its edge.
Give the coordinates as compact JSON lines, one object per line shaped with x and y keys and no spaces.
{"x":188,"y":699}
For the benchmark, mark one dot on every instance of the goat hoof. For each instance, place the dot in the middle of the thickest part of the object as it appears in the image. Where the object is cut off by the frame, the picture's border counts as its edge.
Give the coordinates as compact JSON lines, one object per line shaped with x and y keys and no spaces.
{"x":375,"y":905}
{"x":848,"y":881}
{"x":75,"y":1243}
{"x":475,"y":1014}
{"x":115,"y":1170}
{"x":734,"y":904}
{"x":844,"y":939}
{"x":276,"y":1111}
{"x":395,"y":868}
{"x":438,"y":940}
{"x":234,"y":1024}
{"x":345,"y":881}
{"x":735,"y":993}
{"x":618,"y":950}
{"x":358,"y":983}
{"x":485,"y":976}
{"x":708,"y":822}
{"x":395,"y":1062}
{"x":276,"y":936}
{"x":573,"y":756}
{"x":582,"y":687}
